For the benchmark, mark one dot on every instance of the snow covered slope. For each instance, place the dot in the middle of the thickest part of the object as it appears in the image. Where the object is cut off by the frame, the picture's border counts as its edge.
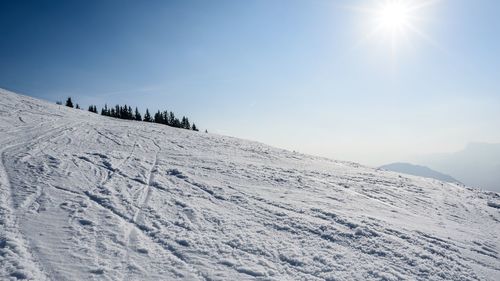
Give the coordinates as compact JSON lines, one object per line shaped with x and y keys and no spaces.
{"x":86,"y":197}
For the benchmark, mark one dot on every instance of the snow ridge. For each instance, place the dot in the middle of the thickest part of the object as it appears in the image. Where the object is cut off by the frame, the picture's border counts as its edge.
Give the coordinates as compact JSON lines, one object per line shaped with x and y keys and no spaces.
{"x":86,"y":197}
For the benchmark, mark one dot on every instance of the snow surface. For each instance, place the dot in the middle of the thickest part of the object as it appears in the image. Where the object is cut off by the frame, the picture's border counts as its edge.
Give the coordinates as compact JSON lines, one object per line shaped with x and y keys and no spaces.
{"x":86,"y":197}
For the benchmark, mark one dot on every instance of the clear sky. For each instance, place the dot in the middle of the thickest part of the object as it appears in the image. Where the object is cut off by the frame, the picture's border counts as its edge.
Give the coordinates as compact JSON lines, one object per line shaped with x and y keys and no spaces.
{"x":299,"y":74}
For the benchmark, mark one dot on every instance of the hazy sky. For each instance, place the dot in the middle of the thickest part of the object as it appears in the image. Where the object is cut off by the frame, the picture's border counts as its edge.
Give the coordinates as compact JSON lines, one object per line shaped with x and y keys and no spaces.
{"x":298,"y":74}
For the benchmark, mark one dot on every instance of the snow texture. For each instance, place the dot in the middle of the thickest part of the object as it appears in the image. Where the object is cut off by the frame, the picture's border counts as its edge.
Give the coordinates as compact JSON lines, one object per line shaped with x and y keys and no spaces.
{"x":86,"y":197}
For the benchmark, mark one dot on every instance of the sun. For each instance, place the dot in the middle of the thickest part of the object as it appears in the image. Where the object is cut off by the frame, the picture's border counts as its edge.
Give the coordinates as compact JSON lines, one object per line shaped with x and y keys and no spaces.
{"x":394,"y":16}
{"x":395,"y":22}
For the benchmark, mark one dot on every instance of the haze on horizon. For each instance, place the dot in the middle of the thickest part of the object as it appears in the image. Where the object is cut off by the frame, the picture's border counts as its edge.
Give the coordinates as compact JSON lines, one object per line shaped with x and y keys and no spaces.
{"x":309,"y":76}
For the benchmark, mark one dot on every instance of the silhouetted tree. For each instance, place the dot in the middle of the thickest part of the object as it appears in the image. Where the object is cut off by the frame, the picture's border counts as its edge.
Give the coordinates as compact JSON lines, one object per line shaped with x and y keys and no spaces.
{"x":194,"y":128}
{"x":137,"y":116}
{"x":69,"y":103}
{"x":117,"y":111}
{"x":105,"y":110}
{"x":185,"y":123}
{"x":77,"y":106}
{"x":158,"y":117}
{"x":93,"y":108}
{"x":126,"y":112}
{"x":171,"y":118}
{"x":165,"y":118}
{"x":147,"y":116}
{"x":130,"y":115}
{"x":176,"y":123}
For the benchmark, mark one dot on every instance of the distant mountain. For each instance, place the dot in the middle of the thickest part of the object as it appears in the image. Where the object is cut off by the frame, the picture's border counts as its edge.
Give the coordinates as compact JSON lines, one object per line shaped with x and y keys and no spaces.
{"x":478,"y":165}
{"x":417,"y":170}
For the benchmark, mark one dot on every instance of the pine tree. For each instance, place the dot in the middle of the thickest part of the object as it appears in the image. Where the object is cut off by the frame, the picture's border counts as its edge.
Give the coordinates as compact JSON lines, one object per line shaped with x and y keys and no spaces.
{"x":158,"y":117}
{"x":165,"y":118}
{"x":130,"y":114}
{"x":137,"y":116}
{"x":77,"y":106}
{"x":176,"y":123}
{"x":171,"y":118}
{"x":194,"y":128}
{"x":185,"y":123}
{"x":69,"y":103}
{"x":125,"y":114}
{"x":147,"y":116}
{"x":104,"y":110}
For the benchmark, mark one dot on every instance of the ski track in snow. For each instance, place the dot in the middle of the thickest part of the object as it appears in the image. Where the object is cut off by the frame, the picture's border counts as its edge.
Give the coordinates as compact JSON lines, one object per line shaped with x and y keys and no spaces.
{"x":86,"y":197}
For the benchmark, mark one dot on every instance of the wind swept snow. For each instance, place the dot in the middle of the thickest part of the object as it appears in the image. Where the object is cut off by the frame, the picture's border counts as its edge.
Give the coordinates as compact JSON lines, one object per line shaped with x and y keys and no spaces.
{"x":86,"y":197}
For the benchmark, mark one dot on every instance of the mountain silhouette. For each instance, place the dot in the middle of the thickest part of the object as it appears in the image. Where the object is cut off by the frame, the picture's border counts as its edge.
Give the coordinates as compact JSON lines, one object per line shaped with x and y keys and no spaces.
{"x":417,"y":170}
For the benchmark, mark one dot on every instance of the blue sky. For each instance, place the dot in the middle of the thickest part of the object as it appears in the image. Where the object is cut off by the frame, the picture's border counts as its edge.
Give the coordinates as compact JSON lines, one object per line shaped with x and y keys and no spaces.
{"x":296,"y":74}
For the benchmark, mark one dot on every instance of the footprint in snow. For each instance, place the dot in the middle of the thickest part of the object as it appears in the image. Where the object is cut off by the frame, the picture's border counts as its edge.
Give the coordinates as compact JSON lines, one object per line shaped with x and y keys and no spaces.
{"x":176,"y":173}
{"x":85,"y":222}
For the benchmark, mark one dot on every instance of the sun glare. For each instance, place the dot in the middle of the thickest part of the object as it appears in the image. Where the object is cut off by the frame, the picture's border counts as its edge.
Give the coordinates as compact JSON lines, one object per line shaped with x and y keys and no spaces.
{"x":394,"y":16}
{"x":395,"y":21}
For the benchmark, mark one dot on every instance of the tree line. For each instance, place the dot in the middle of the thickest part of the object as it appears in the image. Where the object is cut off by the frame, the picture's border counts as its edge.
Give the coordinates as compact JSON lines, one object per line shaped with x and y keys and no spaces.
{"x":125,"y":112}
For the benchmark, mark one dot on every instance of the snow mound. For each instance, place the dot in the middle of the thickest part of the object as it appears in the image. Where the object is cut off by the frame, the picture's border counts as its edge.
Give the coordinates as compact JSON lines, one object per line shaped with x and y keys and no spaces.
{"x":86,"y":197}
